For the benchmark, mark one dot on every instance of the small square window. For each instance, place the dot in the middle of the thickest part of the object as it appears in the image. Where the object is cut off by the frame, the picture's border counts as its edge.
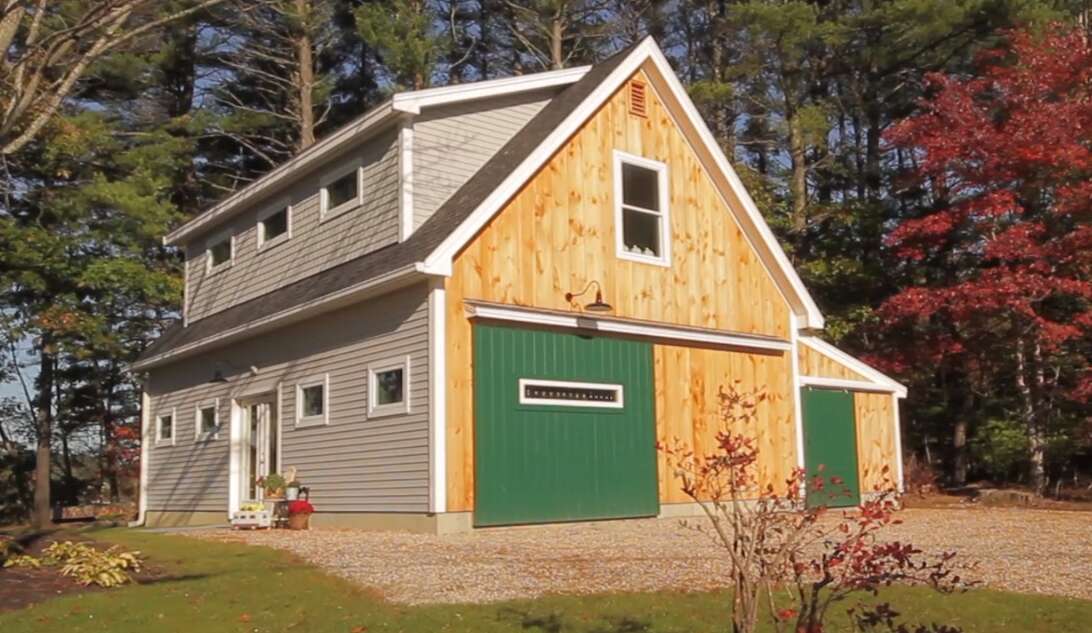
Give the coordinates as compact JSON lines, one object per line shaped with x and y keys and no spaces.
{"x":341,"y":194}
{"x":208,"y":420}
{"x":387,"y":386}
{"x":219,"y":252}
{"x":164,"y":433}
{"x":641,"y":217}
{"x":273,"y":226}
{"x":311,"y":402}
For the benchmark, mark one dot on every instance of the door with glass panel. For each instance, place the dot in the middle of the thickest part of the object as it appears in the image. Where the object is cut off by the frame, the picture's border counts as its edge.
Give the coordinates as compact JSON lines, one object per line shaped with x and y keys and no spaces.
{"x":259,"y":447}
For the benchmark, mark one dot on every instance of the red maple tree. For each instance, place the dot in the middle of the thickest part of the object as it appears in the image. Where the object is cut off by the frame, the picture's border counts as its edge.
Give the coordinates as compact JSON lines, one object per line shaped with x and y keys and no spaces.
{"x":999,"y":260}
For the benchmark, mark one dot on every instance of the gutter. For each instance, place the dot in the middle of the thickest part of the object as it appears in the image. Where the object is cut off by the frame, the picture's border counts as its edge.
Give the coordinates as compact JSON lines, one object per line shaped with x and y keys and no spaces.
{"x":142,"y":491}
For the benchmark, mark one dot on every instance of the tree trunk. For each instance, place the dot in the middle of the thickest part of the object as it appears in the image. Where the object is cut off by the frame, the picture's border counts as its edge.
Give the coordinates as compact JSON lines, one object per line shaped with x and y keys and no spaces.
{"x":305,"y":83}
{"x":798,"y":180}
{"x":1036,"y":436}
{"x":557,"y":39}
{"x":42,"y":515}
{"x":959,"y":438}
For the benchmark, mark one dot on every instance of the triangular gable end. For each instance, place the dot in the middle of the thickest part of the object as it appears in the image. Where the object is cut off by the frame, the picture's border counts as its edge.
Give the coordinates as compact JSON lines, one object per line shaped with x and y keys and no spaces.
{"x":854,"y":364}
{"x":649,"y":56}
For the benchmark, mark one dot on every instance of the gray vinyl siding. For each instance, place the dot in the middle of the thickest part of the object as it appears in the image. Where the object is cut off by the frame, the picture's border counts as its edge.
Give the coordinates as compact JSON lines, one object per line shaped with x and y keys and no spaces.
{"x":353,"y":463}
{"x":314,"y":245}
{"x":450,"y":144}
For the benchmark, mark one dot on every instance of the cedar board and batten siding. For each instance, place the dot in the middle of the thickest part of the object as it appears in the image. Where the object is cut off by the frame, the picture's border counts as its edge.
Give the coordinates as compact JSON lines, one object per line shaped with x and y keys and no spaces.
{"x":689,"y":381}
{"x":557,"y":233}
{"x":876,"y":446}
{"x":815,"y":363}
{"x":452,"y":142}
{"x":353,"y":464}
{"x":314,"y":246}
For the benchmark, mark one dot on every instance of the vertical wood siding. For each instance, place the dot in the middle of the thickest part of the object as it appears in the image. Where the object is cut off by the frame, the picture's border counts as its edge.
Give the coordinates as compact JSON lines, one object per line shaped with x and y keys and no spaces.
{"x":450,"y":143}
{"x":353,"y":464}
{"x":689,"y":381}
{"x":876,"y":440}
{"x":557,"y":234}
{"x":314,"y":245}
{"x":815,"y":363}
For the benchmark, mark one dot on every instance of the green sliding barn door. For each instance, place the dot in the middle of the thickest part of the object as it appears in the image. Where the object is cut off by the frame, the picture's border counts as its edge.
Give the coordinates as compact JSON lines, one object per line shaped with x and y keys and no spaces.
{"x":830,"y":447}
{"x":564,"y":427}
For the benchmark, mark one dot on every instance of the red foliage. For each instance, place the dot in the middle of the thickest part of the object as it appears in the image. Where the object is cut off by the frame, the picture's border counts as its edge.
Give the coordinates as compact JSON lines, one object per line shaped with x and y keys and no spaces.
{"x":1007,"y":155}
{"x":300,"y":506}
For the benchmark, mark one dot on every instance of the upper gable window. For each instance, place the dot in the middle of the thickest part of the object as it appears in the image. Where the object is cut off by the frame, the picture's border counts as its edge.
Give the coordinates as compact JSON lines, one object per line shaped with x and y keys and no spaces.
{"x":275,"y":226}
{"x":641,"y":215}
{"x":221,"y":251}
{"x":342,"y":192}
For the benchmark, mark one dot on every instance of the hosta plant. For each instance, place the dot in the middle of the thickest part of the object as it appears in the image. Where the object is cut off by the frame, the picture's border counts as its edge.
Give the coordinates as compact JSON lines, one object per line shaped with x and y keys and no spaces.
{"x":89,"y":566}
{"x":22,"y":561}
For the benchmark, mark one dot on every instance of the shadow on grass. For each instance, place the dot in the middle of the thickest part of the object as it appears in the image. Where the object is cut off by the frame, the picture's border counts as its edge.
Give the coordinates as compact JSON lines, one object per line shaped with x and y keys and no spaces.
{"x":554,"y":623}
{"x":162,"y":580}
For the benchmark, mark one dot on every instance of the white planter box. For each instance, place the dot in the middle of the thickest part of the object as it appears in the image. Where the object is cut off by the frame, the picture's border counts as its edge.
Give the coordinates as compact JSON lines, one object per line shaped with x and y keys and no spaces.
{"x":252,"y":520}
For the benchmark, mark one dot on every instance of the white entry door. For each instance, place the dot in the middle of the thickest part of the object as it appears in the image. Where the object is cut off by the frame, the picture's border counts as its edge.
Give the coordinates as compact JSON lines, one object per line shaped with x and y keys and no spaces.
{"x":259,"y":447}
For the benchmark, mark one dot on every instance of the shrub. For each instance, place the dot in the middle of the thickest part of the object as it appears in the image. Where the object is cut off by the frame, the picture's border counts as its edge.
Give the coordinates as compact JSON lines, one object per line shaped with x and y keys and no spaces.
{"x":1000,"y":449}
{"x":22,"y":561}
{"x":89,"y":566}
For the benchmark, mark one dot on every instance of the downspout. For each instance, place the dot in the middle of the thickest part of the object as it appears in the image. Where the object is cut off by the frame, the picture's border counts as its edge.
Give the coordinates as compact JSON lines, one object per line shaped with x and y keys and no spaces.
{"x":142,"y":492}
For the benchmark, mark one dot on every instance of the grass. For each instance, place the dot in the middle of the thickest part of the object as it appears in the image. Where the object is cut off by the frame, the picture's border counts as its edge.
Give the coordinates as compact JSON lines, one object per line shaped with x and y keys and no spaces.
{"x":213,"y":587}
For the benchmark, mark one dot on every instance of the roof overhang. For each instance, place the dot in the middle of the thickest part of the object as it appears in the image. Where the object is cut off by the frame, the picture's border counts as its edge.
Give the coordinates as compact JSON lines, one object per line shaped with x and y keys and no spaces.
{"x":648,"y":55}
{"x":414,"y":102}
{"x":877,"y":381}
{"x":376,"y":286}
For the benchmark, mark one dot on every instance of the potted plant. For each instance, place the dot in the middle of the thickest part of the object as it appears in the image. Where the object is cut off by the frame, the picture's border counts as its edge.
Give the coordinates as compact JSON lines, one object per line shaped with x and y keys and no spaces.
{"x":299,"y":514}
{"x":273,"y":484}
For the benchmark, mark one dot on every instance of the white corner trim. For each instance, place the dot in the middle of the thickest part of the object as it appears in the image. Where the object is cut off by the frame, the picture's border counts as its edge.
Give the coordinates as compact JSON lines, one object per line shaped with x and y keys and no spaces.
{"x":856,"y":365}
{"x":663,"y":216}
{"x":797,"y":394}
{"x":285,"y":173}
{"x":583,"y":321}
{"x":437,"y":396}
{"x":848,"y":385}
{"x":235,"y":466}
{"x":405,"y":180}
{"x":376,"y":410}
{"x":414,"y":101}
{"x":901,"y":484}
{"x":321,"y":380}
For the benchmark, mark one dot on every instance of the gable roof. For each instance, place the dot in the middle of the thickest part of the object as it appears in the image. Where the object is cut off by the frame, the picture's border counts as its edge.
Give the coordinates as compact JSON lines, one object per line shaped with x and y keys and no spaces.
{"x":431,"y":249}
{"x":872,"y":374}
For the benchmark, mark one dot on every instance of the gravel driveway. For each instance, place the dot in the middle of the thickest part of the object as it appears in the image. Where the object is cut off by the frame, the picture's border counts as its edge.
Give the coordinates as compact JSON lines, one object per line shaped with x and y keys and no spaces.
{"x":1033,"y":551}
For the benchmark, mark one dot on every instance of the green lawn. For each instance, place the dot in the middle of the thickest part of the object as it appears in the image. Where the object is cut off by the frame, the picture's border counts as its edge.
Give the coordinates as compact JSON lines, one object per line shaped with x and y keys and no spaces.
{"x":223,"y":587}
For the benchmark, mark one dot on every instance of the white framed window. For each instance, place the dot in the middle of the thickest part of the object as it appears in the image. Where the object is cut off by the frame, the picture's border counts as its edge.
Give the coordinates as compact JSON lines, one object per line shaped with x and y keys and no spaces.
{"x":564,"y":393}
{"x":313,"y":401}
{"x":207,"y":420}
{"x":274,"y":225}
{"x":164,"y":427}
{"x":220,"y":252}
{"x":341,"y":191}
{"x":642,"y":223}
{"x":388,"y":387}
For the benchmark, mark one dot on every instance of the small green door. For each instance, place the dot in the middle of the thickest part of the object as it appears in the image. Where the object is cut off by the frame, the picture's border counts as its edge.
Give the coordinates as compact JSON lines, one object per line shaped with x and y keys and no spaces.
{"x":564,"y":427}
{"x":830,"y":447}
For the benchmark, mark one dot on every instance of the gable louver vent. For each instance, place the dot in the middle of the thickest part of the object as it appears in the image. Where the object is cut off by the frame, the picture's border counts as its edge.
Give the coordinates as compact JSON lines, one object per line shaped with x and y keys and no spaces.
{"x":638,"y":99}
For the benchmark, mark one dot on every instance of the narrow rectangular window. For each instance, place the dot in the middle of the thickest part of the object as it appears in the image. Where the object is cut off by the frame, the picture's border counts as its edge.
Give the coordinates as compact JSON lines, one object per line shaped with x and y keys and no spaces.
{"x":341,"y":193}
{"x":641,"y":216}
{"x":388,"y":384}
{"x":312,"y":401}
{"x":208,"y":420}
{"x":165,"y":429}
{"x":274,"y":227}
{"x":570,"y":394}
{"x":220,"y":252}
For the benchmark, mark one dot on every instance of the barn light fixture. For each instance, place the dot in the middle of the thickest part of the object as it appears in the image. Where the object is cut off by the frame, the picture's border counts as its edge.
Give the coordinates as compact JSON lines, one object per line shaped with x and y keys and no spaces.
{"x":595,"y":306}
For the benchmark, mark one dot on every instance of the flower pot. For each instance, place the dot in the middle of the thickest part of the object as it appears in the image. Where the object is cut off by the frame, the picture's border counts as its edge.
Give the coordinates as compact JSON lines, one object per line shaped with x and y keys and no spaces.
{"x":299,"y":522}
{"x":291,"y":493}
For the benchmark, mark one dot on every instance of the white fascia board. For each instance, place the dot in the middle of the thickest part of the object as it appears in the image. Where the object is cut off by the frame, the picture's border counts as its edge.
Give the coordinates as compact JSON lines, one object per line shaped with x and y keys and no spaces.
{"x":855,"y":364}
{"x":665,"y":331}
{"x":370,"y":122}
{"x":848,"y":385}
{"x":414,"y":101}
{"x":648,"y":50}
{"x":812,"y":315}
{"x":372,"y":287}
